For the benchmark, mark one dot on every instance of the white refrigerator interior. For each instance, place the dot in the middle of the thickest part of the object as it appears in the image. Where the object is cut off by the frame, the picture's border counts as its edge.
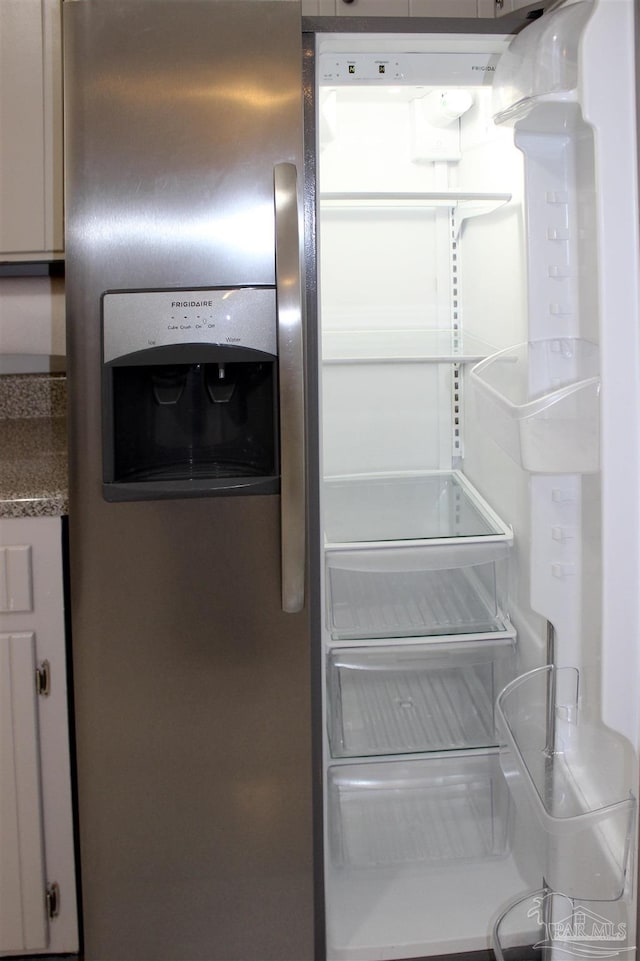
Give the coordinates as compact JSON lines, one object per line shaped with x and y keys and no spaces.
{"x":480,"y":741}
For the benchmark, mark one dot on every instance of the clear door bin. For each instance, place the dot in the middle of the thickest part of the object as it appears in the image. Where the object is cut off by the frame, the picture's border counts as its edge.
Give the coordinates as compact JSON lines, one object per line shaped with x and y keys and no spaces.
{"x":420,"y":813}
{"x":400,"y":700}
{"x":546,"y":925}
{"x":417,"y":591}
{"x":541,"y":62}
{"x":566,"y":780}
{"x":540,"y":403}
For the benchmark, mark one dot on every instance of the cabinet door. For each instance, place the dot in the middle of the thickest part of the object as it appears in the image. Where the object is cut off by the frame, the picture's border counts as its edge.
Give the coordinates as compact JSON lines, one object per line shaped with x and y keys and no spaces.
{"x":35,"y":771}
{"x":503,"y":7}
{"x":403,"y":8}
{"x":23,"y":919}
{"x":372,"y":8}
{"x":31,"y":216}
{"x":315,"y":8}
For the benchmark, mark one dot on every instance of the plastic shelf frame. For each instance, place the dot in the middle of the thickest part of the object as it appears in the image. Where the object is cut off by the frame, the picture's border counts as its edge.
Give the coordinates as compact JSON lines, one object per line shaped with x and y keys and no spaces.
{"x":581,"y":828}
{"x":539,"y":401}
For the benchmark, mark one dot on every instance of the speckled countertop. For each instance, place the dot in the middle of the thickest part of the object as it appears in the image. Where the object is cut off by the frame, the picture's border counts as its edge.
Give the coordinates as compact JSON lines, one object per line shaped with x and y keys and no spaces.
{"x":33,"y":445}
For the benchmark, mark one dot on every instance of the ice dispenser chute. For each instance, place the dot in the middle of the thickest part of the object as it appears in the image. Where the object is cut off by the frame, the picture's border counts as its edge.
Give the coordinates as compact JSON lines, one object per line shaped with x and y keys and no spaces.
{"x":189,"y":393}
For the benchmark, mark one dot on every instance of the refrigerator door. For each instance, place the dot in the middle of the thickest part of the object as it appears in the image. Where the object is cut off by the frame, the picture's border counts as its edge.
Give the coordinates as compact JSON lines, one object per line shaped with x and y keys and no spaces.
{"x":192,"y":693}
{"x":577,"y":127}
{"x":180,"y":110}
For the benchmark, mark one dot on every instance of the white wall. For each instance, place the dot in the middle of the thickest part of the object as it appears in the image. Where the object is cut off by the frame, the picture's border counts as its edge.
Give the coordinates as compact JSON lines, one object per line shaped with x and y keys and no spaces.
{"x":32,"y":315}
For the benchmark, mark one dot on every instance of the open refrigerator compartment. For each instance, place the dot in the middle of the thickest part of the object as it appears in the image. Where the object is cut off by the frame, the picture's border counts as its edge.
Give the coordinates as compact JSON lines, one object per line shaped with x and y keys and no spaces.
{"x":539,"y":401}
{"x":420,"y":813}
{"x":408,"y":506}
{"x":581,"y":839}
{"x":417,"y":591}
{"x":416,"y":698}
{"x":545,"y":924}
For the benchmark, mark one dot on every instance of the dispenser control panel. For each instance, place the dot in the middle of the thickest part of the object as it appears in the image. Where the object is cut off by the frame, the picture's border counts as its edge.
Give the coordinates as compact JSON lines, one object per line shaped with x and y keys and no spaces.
{"x":232,"y":317}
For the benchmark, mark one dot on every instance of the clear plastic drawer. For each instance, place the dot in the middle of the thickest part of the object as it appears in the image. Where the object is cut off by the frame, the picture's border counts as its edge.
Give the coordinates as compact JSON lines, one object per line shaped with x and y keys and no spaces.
{"x":417,"y":591}
{"x":417,"y":813}
{"x":416,"y":698}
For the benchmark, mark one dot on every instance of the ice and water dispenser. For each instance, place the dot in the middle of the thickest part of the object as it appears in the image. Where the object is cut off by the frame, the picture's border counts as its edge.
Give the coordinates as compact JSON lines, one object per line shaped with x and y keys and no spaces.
{"x":189,"y":393}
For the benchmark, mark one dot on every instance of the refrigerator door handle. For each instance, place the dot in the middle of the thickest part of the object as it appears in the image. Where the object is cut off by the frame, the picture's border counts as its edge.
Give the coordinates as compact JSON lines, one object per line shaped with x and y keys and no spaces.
{"x":291,"y":376}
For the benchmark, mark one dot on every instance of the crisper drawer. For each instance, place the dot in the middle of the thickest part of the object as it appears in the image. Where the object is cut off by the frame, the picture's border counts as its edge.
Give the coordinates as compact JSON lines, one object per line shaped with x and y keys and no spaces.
{"x":421,"y":812}
{"x":400,"y":700}
{"x":417,"y":591}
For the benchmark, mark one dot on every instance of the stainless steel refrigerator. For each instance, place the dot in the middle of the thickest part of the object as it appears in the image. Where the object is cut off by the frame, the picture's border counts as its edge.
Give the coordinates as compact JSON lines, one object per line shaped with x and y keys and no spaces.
{"x":354,"y":529}
{"x":191,"y":649}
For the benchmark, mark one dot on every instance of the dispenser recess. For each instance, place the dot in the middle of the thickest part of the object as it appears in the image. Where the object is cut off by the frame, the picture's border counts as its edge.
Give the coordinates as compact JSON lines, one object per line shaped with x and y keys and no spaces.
{"x":189,"y":393}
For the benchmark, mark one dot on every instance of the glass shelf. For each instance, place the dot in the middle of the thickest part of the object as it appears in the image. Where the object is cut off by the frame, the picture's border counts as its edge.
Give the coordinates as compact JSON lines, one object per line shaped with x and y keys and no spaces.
{"x":402,"y":346}
{"x":365,"y":509}
{"x":464,"y":204}
{"x":470,"y":202}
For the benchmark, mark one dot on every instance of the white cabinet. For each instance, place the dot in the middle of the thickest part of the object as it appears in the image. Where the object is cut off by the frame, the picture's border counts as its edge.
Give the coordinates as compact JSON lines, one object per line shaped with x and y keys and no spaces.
{"x":415,"y":8}
{"x":503,"y":7}
{"x":38,"y":911}
{"x":23,"y":917}
{"x":315,"y":8}
{"x":372,"y":8}
{"x":355,"y":8}
{"x":31,"y":205}
{"x":444,"y":8}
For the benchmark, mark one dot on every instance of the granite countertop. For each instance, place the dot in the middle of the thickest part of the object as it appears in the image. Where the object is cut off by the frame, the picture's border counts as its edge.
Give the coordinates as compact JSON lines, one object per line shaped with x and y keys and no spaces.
{"x":33,"y":445}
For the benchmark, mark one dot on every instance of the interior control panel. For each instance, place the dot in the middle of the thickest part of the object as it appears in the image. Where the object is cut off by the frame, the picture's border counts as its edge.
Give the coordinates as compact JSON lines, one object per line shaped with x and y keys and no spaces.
{"x":431,"y":69}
